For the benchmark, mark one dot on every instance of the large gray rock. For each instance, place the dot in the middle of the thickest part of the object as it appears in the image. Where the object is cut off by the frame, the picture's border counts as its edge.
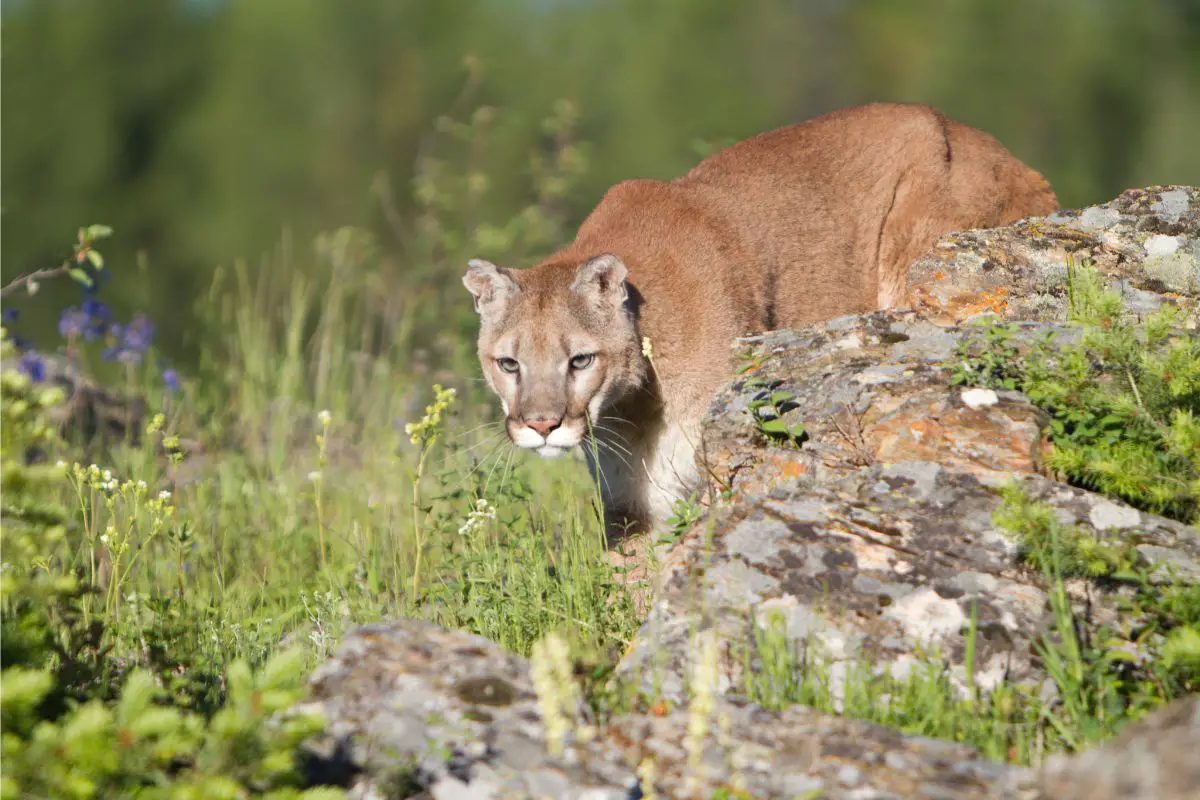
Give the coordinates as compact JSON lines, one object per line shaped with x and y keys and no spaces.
{"x":414,"y":710}
{"x":867,"y":389}
{"x":417,"y":711}
{"x":1158,"y":757}
{"x":885,"y":564}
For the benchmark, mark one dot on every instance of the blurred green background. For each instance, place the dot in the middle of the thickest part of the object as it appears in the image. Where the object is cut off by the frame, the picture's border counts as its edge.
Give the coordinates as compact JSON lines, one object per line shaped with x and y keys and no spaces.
{"x":206,"y":131}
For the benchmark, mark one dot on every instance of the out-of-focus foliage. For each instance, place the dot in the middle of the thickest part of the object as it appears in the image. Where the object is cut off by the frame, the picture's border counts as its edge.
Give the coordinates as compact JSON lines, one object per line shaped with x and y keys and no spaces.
{"x":201,"y":129}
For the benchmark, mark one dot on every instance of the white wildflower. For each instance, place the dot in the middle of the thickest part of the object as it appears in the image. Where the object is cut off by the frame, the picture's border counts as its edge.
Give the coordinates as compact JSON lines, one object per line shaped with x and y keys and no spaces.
{"x":164,"y":495}
{"x":477,"y":517}
{"x":325,"y":418}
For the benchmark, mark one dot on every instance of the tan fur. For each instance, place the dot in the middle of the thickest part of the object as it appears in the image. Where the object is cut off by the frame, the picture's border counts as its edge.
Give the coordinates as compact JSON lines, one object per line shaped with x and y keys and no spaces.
{"x":793,"y":226}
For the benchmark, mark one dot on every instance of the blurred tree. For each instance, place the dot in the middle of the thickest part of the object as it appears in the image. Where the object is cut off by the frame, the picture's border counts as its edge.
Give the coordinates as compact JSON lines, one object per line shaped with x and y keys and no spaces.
{"x":201,"y":128}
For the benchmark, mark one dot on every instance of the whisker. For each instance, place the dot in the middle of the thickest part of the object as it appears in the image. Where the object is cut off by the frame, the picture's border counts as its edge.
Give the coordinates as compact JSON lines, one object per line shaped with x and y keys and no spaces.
{"x":488,"y":440}
{"x":458,"y":436}
{"x":491,"y":453}
{"x":610,"y":431}
{"x":503,"y":474}
{"x":615,"y":447}
{"x":488,"y":482}
{"x":603,"y":478}
{"x":616,"y":453}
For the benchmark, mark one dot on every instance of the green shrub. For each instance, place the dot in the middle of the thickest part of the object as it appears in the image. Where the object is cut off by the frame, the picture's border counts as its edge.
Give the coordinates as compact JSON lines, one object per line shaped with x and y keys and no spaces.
{"x":1124,"y":401}
{"x":56,"y":742}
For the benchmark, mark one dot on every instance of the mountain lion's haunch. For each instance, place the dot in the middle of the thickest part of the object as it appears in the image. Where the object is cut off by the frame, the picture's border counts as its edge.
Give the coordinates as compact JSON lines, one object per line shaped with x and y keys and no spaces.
{"x":793,"y":226}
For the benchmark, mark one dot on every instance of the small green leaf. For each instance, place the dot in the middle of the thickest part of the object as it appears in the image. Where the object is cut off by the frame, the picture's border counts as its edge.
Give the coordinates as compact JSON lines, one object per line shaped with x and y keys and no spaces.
{"x":97,"y":232}
{"x":96,"y":260}
{"x":80,"y":275}
{"x":774,"y":425}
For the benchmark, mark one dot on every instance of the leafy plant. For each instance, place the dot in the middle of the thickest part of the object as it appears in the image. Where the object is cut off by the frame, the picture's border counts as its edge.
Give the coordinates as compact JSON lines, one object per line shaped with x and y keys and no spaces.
{"x":684,"y":514}
{"x":1046,"y":543}
{"x":1123,"y":401}
{"x":139,"y":746}
{"x":768,"y":406}
{"x":1163,"y":614}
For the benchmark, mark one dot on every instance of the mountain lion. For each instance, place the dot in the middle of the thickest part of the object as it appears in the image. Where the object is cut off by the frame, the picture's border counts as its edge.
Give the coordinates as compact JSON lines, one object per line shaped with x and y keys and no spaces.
{"x":793,"y":226}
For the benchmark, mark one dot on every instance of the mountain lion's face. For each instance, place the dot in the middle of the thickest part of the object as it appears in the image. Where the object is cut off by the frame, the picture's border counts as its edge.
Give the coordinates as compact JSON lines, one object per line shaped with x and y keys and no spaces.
{"x":555,"y":343}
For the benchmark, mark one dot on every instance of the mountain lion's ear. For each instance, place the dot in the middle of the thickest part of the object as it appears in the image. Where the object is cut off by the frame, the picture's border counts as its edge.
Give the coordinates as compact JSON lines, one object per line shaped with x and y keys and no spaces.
{"x":488,"y":283}
{"x":602,"y":279}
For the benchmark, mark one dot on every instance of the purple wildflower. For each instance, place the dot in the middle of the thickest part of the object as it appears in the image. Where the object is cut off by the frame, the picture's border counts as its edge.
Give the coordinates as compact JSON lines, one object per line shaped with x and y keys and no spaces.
{"x":171,"y":380}
{"x":99,"y":278}
{"x":95,"y":309}
{"x":10,"y":314}
{"x":139,"y":333}
{"x":21,"y":343}
{"x":33,"y":365}
{"x":98,"y":315}
{"x":73,"y":322}
{"x":127,"y":355}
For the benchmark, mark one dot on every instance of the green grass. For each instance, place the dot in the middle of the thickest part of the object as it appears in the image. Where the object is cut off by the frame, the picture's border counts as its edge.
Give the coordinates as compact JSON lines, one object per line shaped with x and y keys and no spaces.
{"x":311,"y":474}
{"x":399,"y":501}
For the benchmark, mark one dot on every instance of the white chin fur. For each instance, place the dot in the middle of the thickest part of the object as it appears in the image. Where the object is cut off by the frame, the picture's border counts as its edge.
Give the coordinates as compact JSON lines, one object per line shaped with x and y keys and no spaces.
{"x":562,"y":438}
{"x":528,"y":438}
{"x":549,"y":451}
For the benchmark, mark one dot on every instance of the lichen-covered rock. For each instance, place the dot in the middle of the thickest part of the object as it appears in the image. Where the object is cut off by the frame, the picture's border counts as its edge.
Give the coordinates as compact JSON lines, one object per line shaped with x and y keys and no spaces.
{"x":409,"y":703}
{"x":1146,"y":243}
{"x":415,"y":709}
{"x":883,"y":564}
{"x":1158,"y":757}
{"x":868,"y":389}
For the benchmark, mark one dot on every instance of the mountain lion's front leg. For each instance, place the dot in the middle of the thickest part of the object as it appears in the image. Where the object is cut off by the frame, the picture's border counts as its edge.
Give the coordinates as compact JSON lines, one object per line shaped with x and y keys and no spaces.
{"x":618,"y":474}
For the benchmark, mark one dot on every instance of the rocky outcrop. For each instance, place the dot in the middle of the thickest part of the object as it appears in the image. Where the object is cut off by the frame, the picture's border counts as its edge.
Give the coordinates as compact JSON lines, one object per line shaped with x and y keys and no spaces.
{"x":1146,"y":242}
{"x":411,"y":706}
{"x":876,"y":539}
{"x":417,"y":711}
{"x":857,"y":527}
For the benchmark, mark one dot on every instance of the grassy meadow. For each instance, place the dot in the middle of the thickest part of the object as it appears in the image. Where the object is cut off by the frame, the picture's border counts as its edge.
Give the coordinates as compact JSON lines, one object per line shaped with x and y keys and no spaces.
{"x":334,"y":460}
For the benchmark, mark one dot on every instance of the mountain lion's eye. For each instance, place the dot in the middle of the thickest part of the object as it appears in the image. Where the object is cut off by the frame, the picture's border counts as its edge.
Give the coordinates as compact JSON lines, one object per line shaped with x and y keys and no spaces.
{"x":582,"y":361}
{"x":507,"y":364}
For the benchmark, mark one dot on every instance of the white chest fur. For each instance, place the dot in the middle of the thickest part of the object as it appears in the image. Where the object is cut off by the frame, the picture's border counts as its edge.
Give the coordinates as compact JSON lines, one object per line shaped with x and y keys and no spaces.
{"x":649,"y":475}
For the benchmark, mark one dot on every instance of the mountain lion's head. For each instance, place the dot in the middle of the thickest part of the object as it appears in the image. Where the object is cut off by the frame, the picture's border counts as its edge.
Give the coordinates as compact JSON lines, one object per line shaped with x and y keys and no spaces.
{"x":555,"y":342}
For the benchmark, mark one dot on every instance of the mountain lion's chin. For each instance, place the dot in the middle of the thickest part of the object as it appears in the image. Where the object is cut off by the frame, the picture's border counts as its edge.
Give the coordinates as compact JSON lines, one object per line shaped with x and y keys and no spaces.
{"x":550,"y":451}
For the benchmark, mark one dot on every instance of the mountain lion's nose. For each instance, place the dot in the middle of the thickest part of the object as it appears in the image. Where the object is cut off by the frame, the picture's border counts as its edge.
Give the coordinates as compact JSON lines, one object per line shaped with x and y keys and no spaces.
{"x":543,"y":425}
